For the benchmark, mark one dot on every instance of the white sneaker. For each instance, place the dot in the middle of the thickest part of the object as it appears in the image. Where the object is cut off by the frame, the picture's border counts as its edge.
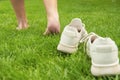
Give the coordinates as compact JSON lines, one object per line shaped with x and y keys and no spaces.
{"x":104,"y":55}
{"x":71,"y":36}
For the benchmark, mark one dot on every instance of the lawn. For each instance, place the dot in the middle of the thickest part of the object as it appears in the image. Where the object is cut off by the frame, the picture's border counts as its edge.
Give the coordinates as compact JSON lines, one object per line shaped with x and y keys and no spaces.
{"x":28,"y":55}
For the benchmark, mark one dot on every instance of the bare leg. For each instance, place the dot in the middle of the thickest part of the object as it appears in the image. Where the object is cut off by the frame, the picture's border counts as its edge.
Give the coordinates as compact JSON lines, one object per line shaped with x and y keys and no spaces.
{"x":18,"y":6}
{"x":53,"y":25}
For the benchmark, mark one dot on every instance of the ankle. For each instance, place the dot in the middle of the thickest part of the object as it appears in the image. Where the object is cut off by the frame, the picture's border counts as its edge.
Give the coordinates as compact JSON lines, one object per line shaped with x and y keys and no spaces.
{"x":53,"y":17}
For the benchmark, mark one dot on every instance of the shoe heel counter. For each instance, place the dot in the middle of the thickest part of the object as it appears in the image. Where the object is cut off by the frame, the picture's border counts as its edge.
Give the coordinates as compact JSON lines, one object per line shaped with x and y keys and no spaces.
{"x":104,"y":54}
{"x":67,"y":40}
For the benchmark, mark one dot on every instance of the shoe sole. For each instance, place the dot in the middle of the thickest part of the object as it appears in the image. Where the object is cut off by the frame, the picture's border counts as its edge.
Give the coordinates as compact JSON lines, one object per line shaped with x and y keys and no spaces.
{"x":66,"y":49}
{"x":104,"y":71}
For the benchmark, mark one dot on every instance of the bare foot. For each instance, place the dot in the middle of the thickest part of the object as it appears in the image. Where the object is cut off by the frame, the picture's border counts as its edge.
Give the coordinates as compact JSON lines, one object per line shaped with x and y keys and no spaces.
{"x":22,"y":25}
{"x":53,"y":27}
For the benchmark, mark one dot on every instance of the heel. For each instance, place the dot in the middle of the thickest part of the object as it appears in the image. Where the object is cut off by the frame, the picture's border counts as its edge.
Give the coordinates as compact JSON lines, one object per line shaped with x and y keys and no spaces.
{"x":66,"y":49}
{"x":102,"y":71}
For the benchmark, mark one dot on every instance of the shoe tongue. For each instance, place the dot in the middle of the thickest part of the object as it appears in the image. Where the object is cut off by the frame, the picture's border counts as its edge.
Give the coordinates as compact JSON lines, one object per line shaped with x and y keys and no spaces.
{"x":76,"y":22}
{"x":103,"y":41}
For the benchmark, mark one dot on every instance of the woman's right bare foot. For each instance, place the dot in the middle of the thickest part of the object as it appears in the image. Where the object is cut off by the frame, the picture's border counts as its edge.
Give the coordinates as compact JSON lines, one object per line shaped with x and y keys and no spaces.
{"x":52,"y":28}
{"x":53,"y":25}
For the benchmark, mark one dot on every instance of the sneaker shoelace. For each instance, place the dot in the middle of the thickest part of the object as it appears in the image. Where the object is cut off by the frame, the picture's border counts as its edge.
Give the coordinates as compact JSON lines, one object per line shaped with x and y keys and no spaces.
{"x":87,"y":36}
{"x":85,"y":39}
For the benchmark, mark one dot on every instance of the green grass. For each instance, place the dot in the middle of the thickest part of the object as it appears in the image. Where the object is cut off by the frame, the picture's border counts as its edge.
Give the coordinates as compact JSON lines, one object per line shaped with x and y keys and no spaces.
{"x":28,"y":55}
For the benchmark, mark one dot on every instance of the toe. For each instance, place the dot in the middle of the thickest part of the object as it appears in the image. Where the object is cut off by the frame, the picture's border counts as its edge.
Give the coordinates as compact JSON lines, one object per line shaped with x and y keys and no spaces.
{"x":46,"y":32}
